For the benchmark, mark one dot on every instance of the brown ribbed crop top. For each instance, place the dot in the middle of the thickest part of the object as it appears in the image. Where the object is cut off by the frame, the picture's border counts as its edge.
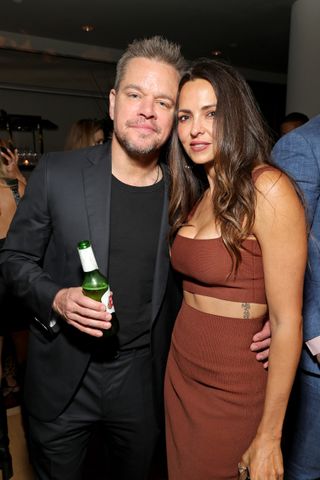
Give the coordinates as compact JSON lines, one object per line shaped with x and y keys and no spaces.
{"x":205,"y":265}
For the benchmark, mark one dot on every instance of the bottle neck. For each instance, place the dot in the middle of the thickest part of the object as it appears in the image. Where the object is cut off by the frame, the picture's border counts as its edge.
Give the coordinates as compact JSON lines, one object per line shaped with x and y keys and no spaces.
{"x":88,"y":260}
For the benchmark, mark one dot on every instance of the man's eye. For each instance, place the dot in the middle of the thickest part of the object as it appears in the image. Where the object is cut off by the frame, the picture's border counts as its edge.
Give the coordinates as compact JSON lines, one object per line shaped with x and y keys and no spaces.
{"x":133,"y":95}
{"x":164,"y":104}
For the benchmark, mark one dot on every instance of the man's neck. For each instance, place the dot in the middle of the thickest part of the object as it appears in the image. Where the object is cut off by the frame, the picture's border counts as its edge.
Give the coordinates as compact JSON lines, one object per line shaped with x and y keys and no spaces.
{"x":137,"y":171}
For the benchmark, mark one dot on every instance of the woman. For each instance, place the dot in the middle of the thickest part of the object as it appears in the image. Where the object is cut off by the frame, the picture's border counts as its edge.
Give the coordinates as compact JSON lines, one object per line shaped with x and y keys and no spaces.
{"x":86,"y":132}
{"x":239,"y":241}
{"x":12,"y":185}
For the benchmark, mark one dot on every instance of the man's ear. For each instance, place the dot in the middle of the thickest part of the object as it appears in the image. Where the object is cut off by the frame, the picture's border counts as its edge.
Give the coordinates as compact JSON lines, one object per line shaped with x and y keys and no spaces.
{"x":112,"y":99}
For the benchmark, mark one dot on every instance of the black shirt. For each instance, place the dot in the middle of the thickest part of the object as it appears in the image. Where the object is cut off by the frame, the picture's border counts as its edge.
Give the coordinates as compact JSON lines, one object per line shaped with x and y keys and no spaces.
{"x":134,"y":236}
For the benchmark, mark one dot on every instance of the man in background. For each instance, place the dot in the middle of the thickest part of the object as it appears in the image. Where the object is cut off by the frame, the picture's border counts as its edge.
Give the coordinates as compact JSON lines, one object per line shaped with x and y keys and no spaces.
{"x":298,"y":153}
{"x":291,"y":121}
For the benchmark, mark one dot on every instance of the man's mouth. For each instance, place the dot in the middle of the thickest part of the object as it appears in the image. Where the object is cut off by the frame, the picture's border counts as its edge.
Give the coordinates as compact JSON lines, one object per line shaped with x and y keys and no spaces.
{"x":144,"y":127}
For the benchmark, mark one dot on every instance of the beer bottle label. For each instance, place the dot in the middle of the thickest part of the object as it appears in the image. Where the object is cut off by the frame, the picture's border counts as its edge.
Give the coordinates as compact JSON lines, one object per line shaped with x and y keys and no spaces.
{"x":106,"y":299}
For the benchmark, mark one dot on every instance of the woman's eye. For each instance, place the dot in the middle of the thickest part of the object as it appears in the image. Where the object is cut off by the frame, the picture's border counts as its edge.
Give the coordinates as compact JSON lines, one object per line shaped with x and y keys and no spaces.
{"x":183,"y":118}
{"x":212,"y":114}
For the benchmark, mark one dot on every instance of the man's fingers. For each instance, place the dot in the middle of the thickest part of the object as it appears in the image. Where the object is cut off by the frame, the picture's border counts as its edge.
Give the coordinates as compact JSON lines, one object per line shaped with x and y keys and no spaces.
{"x":264,"y":334}
{"x":264,"y":355}
{"x":90,"y":312}
{"x":88,"y":326}
{"x":87,"y":302}
{"x":89,"y":331}
{"x":256,"y":346}
{"x":82,"y":312}
{"x":90,"y":321}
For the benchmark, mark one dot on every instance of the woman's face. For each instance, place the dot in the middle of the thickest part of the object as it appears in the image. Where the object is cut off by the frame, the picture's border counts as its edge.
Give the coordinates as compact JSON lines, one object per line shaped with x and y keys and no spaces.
{"x":196,"y":120}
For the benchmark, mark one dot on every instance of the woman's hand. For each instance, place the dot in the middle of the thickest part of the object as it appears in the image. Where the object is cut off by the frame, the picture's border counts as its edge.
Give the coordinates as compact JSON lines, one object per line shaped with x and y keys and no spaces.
{"x":10,"y":165}
{"x":10,"y":162}
{"x":264,"y":459}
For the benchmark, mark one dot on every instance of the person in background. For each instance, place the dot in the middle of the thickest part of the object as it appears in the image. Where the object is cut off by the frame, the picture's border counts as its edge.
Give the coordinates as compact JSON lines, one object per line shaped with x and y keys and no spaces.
{"x":115,"y":195}
{"x":12,"y":321}
{"x":239,"y":242}
{"x":86,"y":132}
{"x":298,"y":153}
{"x":292,"y":121}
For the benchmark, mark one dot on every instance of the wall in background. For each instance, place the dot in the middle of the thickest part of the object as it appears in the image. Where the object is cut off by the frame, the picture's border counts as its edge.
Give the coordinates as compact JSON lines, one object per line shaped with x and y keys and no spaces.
{"x":64,"y":89}
{"x":62,"y":110}
{"x":58,"y":88}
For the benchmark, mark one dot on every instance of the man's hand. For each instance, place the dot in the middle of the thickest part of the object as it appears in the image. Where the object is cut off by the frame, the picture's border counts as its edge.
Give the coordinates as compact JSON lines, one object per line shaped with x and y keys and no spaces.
{"x":82,"y":312}
{"x":261,"y":342}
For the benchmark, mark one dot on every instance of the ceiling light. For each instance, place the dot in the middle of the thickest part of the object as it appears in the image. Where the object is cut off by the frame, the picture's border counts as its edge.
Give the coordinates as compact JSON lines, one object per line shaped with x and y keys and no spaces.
{"x":87,"y":28}
{"x":216,"y":53}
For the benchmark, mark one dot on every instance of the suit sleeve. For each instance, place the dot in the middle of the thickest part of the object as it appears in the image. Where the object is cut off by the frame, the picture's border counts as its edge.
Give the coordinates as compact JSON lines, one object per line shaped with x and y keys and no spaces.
{"x":296,"y":154}
{"x":23,"y":254}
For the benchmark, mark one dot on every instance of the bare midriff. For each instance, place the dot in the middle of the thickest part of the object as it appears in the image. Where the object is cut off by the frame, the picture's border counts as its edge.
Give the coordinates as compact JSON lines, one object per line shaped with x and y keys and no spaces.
{"x":224,"y":308}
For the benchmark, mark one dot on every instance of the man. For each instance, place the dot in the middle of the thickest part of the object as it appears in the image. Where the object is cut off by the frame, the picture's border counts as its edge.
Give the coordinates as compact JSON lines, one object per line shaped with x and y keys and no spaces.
{"x":298,"y":153}
{"x":116,"y":196}
{"x":291,"y":121}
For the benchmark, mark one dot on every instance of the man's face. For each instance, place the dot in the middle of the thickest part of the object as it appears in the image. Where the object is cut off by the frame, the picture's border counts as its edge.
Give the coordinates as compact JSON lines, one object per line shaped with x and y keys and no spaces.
{"x":286,"y":127}
{"x":142,"y":108}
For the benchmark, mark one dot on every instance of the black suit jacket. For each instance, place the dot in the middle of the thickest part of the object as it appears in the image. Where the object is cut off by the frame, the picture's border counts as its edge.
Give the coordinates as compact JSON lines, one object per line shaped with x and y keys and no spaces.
{"x":67,"y":200}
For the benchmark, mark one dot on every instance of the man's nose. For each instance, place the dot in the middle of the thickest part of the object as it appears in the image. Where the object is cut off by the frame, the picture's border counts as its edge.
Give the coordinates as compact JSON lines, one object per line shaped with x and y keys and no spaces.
{"x":147,"y":108}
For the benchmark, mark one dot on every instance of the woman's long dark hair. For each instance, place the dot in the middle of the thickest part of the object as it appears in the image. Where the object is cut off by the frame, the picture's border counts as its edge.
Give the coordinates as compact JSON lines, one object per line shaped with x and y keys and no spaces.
{"x":243,"y":142}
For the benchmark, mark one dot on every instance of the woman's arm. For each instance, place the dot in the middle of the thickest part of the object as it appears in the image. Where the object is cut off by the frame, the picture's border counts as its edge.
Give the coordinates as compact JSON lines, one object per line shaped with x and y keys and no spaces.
{"x":280,"y":228}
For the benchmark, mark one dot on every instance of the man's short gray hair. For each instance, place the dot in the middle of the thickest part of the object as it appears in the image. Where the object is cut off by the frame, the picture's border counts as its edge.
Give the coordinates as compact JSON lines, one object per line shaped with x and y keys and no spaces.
{"x":154,"y":48}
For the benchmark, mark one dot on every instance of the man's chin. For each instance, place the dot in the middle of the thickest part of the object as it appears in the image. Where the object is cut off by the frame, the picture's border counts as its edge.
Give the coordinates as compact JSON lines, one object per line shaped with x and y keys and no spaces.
{"x":137,"y":149}
{"x":141,"y":151}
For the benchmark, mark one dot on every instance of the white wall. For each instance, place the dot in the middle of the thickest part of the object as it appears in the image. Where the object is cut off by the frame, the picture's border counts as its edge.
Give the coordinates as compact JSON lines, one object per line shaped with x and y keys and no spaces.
{"x":62,"y":110}
{"x":304,"y":58}
{"x":58,"y":87}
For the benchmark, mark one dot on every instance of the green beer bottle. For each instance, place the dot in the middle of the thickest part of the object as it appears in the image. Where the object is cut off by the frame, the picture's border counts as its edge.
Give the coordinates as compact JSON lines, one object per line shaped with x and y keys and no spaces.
{"x":95,"y":285}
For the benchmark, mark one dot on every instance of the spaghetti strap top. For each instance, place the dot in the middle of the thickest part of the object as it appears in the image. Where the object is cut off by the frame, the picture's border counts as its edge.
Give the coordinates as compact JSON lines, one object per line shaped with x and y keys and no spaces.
{"x":206,"y":266}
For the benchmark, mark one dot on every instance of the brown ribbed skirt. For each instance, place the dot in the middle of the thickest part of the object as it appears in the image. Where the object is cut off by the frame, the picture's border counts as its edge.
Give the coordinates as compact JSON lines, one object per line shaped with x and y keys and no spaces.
{"x":214,"y":394}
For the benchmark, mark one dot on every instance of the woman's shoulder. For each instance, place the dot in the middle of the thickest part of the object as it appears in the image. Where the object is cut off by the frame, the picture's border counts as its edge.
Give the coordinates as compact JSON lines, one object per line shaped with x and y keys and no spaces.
{"x":275,"y":189}
{"x":265,"y":171}
{"x":269,"y":179}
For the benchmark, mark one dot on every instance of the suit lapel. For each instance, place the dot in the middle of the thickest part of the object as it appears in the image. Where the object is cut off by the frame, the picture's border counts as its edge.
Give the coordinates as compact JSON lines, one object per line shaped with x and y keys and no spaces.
{"x":97,"y":188}
{"x":162,"y":259}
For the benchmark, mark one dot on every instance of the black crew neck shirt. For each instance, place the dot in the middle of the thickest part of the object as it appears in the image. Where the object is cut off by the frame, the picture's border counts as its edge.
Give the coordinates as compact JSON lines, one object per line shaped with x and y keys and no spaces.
{"x":134,"y":235}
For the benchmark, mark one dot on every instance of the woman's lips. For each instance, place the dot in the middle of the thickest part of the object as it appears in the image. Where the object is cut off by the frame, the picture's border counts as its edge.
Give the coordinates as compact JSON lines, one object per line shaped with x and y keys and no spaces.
{"x":199,"y":146}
